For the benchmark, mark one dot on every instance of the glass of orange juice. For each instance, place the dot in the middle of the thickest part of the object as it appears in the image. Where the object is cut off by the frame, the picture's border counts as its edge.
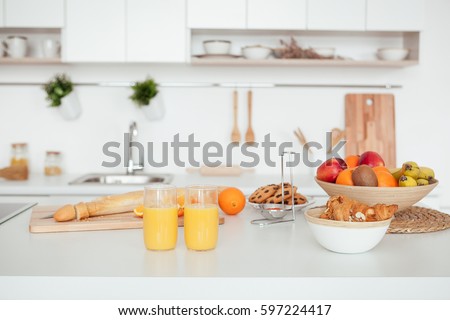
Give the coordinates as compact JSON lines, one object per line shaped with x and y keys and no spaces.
{"x":160,"y":217}
{"x":201,"y":217}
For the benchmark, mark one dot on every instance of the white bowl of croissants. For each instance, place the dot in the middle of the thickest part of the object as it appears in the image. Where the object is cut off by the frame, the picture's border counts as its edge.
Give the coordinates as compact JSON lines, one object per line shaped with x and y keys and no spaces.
{"x":345,"y":225}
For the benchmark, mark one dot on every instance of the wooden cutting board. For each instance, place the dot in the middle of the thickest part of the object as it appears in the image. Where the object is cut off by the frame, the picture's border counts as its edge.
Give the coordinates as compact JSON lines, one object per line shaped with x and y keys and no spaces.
{"x":39,"y":223}
{"x":370,"y":125}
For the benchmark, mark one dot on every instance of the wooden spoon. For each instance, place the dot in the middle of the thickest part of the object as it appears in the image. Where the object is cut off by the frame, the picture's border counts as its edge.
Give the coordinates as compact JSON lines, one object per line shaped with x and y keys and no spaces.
{"x":250,"y":135}
{"x":235,"y":134}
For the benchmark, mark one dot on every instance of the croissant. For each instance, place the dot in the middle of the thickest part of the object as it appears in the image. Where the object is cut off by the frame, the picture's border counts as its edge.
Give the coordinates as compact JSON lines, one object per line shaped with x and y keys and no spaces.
{"x":342,"y":208}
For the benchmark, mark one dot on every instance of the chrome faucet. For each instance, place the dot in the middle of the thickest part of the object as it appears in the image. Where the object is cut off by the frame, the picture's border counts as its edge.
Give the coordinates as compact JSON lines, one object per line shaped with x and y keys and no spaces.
{"x":132,"y":168}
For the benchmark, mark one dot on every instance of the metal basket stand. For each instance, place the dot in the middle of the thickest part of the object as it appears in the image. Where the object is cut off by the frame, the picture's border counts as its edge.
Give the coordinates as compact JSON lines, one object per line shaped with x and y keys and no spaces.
{"x":279,"y":213}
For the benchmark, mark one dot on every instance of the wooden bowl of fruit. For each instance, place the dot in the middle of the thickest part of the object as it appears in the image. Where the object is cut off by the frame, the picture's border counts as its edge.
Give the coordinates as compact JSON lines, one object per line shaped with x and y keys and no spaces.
{"x":370,"y":182}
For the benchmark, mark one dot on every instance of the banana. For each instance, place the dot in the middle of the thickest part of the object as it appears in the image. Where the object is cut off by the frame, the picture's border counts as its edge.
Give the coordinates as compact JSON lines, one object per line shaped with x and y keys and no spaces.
{"x":422,"y":182}
{"x":396,"y":172}
{"x":426,"y":173}
{"x":412,"y":164}
{"x":407,"y":181}
{"x":411,"y":171}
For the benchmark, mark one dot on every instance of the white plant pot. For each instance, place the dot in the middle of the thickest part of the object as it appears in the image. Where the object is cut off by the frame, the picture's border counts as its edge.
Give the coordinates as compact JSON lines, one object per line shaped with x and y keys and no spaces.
{"x":155,"y":110}
{"x":70,"y":107}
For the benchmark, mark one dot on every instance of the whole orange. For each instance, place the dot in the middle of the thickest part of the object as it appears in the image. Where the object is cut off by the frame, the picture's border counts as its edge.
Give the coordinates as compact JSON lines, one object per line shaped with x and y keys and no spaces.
{"x":381,"y":168}
{"x":231,"y":201}
{"x":385,"y":179}
{"x":352,"y":161}
{"x":345,"y":177}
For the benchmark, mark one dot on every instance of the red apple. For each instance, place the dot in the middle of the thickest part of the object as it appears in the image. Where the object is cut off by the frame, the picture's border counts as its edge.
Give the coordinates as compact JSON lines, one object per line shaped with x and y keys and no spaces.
{"x":330,"y":169}
{"x":372,"y":159}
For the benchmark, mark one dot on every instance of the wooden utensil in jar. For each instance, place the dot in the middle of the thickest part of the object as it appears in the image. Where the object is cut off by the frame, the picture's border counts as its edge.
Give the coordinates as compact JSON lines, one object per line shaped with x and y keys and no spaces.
{"x":336,"y":136}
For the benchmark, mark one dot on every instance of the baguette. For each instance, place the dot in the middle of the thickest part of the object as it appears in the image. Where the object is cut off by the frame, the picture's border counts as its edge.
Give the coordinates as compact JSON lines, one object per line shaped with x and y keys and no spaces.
{"x":120,"y":203}
{"x":102,"y":206}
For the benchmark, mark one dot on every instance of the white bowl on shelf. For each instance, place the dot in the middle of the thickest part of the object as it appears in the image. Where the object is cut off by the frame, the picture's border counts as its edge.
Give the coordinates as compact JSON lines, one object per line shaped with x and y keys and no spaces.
{"x":344,"y":236}
{"x":217,"y":47}
{"x":392,"y":54}
{"x":326,"y":52}
{"x":256,"y":52}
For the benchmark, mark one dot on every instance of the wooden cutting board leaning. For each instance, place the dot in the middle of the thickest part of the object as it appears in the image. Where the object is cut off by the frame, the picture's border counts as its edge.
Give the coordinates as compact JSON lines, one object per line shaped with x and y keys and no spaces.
{"x":40,"y":223}
{"x":370,"y":125}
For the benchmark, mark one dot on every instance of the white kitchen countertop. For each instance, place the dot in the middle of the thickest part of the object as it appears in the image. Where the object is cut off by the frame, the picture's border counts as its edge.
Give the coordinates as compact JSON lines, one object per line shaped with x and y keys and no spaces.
{"x":250,"y":262}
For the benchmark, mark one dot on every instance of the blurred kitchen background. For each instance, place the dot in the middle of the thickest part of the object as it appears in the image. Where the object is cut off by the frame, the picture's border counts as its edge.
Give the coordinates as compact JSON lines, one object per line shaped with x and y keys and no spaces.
{"x":102,"y":41}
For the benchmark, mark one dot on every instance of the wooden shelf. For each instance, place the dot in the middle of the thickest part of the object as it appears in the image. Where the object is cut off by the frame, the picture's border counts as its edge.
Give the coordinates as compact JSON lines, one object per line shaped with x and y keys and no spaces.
{"x":30,"y":60}
{"x":302,"y":63}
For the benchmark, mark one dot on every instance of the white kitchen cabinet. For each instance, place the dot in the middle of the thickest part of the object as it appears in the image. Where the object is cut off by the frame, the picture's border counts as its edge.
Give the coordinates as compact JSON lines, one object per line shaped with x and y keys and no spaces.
{"x":95,"y":31}
{"x":395,"y":15}
{"x":217,"y":14}
{"x":276,"y":14}
{"x":337,"y":15}
{"x":151,"y":35}
{"x":33,"y":13}
{"x":1,"y":13}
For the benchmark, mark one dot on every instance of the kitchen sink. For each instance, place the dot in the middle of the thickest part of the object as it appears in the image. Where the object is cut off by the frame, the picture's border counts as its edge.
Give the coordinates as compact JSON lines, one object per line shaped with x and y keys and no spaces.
{"x":122,"y":179}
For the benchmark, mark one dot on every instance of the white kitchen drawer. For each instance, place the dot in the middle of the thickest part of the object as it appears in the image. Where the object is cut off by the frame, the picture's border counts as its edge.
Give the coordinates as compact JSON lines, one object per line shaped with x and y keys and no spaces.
{"x":95,"y":31}
{"x":395,"y":15}
{"x":151,"y":35}
{"x":276,"y":14}
{"x":33,"y":13}
{"x":217,"y":14}
{"x":336,"y":15}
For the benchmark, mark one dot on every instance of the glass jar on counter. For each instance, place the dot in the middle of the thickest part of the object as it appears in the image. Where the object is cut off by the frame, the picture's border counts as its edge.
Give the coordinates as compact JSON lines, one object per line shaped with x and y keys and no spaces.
{"x":19,"y":154}
{"x":53,"y":163}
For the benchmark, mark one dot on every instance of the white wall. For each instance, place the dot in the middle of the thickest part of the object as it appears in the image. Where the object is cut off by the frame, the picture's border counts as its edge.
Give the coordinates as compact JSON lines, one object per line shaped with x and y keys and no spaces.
{"x":422,"y":107}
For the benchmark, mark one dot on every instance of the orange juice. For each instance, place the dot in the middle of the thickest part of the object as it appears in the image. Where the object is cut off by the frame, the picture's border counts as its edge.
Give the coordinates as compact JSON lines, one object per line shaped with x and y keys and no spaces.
{"x":201,"y":227}
{"x":160,"y":228}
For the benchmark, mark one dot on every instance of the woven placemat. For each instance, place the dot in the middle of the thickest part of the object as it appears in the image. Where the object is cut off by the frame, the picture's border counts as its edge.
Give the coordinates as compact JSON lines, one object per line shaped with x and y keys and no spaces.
{"x":419,"y":220}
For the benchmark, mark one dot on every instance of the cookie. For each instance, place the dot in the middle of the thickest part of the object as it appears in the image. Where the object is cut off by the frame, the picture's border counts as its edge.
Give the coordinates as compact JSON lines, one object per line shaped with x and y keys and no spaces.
{"x":263,"y":193}
{"x":299,"y":198}
{"x":288,"y":191}
{"x":272,"y":200}
{"x":279,"y":196}
{"x":288,"y":201}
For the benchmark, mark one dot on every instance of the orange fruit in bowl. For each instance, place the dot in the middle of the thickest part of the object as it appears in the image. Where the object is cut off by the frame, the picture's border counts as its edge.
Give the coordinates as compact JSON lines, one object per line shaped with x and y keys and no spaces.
{"x":345,"y":177}
{"x":352,"y":161}
{"x":381,"y":169}
{"x":386,"y":179}
{"x":231,"y":201}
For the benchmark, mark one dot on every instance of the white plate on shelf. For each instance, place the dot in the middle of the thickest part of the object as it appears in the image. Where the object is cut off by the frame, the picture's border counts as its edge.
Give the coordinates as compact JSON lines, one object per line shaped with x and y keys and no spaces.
{"x":216,"y":56}
{"x":268,"y":206}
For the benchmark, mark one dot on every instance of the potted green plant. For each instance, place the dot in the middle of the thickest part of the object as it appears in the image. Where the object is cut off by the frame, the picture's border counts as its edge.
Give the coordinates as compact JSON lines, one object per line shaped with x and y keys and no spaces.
{"x":147,"y":97}
{"x":60,"y":94}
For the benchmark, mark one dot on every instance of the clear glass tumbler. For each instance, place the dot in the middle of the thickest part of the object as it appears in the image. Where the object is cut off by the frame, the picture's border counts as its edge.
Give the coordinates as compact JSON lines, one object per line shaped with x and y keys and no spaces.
{"x":201,"y":217}
{"x":160,"y":217}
